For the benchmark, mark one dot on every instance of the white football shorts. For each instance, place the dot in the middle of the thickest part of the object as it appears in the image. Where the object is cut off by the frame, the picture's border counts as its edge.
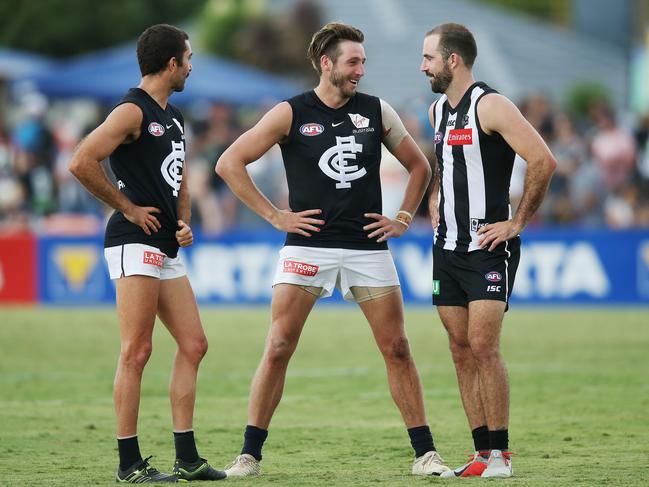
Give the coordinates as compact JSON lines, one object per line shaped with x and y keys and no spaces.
{"x":142,"y":260}
{"x":329,"y":268}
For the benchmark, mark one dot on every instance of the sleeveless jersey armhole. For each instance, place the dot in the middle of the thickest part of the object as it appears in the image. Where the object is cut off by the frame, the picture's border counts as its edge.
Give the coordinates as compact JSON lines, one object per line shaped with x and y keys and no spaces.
{"x":291,"y":132}
{"x":142,"y":123}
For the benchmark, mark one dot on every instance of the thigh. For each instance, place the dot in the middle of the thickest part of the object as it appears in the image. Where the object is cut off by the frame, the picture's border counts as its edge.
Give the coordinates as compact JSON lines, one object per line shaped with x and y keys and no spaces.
{"x":385,"y":316}
{"x":490,"y":275}
{"x":290,"y":307}
{"x":178,"y":310}
{"x":456,"y":321}
{"x":447,"y":288}
{"x":137,"y":302}
{"x":311,"y":267}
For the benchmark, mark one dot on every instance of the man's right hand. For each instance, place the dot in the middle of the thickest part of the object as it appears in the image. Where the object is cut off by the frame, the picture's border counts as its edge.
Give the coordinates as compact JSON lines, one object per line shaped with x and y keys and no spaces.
{"x":143,"y":217}
{"x":299,"y":223}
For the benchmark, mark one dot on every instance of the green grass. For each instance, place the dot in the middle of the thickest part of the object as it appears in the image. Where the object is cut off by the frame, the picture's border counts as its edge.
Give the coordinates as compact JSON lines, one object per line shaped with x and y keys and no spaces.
{"x":579,"y":412}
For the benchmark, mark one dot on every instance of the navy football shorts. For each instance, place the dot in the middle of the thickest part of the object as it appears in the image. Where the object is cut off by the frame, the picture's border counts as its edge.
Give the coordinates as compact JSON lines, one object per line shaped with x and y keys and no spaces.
{"x":462,"y":277}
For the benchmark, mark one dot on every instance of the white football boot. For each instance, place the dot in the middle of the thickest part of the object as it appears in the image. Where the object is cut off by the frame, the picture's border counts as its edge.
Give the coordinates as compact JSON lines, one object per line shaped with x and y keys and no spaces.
{"x":499,"y":465}
{"x":430,"y":463}
{"x":244,"y":465}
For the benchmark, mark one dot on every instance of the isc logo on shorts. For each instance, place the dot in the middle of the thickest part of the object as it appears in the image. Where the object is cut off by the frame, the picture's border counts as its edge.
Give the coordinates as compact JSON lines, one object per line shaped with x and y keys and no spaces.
{"x":300,"y":268}
{"x":153,"y":259}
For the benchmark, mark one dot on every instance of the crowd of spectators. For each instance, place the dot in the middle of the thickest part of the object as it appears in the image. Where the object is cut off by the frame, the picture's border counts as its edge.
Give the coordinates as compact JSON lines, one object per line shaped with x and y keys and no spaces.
{"x":602,"y":177}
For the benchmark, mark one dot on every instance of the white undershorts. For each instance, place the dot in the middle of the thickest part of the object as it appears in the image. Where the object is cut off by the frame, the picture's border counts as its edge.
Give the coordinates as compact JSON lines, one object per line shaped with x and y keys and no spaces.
{"x":142,"y":260}
{"x":329,"y":268}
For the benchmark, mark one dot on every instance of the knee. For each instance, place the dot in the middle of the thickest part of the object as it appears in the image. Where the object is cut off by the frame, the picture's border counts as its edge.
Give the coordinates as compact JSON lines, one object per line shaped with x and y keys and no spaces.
{"x":279,"y":351}
{"x":397,"y":350}
{"x":134,"y":355}
{"x":484,"y":350}
{"x":194,"y":349}
{"x":460,"y":351}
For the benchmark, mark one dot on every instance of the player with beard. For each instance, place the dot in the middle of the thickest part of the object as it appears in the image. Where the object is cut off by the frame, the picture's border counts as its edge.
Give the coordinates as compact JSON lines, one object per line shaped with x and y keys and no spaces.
{"x":144,"y":138}
{"x":477,"y":244}
{"x":331,"y":139}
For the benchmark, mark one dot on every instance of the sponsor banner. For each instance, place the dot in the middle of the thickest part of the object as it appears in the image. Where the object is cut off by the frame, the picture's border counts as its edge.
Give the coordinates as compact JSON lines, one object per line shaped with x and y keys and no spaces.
{"x":18,"y":277}
{"x":73,"y":271}
{"x":556,"y":267}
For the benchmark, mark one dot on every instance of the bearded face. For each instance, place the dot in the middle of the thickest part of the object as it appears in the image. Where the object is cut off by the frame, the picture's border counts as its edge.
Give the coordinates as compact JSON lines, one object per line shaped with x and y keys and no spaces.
{"x":440,"y":82}
{"x":345,"y":83}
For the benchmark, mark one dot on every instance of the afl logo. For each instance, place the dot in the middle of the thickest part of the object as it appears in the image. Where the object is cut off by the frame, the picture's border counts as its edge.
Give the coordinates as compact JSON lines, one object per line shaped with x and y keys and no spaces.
{"x":311,"y":129}
{"x":438,"y":137}
{"x":156,"y":129}
{"x":493,"y":276}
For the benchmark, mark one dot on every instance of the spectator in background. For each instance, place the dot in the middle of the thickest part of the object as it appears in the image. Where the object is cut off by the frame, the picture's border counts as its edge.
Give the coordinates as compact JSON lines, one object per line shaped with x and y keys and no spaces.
{"x":613,"y":148}
{"x":570,"y":151}
{"x":12,"y":195}
{"x":35,"y":155}
{"x":216,"y":206}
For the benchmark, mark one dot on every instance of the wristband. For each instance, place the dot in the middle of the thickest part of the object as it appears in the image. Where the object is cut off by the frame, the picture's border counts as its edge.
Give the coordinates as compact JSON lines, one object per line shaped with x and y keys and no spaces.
{"x":404,"y":217}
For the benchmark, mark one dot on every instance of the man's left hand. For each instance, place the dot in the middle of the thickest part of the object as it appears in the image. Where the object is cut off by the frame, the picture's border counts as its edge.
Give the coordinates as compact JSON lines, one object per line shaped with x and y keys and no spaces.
{"x":184,"y":235}
{"x":385,"y":227}
{"x":496,"y":233}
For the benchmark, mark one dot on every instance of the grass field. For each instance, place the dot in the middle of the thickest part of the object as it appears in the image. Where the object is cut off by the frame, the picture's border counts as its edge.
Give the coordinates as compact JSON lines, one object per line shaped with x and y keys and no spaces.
{"x":580,"y":398}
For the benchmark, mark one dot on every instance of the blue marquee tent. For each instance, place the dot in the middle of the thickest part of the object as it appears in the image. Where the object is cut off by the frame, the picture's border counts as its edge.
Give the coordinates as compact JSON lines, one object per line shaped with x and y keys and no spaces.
{"x":15,"y":63}
{"x":106,"y":75}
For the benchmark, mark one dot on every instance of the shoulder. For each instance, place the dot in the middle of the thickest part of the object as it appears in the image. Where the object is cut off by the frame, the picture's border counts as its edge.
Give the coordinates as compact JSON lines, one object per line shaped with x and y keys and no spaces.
{"x":126,"y":112}
{"x":494,"y":110}
{"x":277,"y":120}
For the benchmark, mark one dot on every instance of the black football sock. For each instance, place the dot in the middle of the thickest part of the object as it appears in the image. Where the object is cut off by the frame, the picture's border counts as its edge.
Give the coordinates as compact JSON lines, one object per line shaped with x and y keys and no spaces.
{"x":129,"y":452}
{"x":421,"y":440}
{"x":499,"y":439}
{"x":185,"y":446}
{"x":253,"y":441}
{"x":481,"y":438}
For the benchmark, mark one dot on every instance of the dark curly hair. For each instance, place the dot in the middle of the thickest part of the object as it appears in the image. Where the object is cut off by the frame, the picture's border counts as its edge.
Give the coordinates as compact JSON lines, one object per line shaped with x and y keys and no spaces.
{"x":157,"y":45}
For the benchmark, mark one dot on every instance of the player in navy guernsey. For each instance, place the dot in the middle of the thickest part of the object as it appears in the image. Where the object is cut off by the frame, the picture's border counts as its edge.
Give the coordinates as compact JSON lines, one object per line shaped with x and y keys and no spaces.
{"x":476,"y":252}
{"x":331,"y":139}
{"x":144,"y":138}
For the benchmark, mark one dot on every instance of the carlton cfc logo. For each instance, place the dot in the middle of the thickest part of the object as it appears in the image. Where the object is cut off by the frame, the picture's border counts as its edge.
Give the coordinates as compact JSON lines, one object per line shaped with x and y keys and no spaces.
{"x":311,"y":129}
{"x":156,"y":129}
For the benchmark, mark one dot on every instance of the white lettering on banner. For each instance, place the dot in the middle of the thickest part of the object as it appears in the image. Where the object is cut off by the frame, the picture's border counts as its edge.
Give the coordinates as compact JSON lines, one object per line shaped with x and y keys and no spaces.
{"x":556,"y":269}
{"x":416,"y":266}
{"x":2,"y":277}
{"x":211,"y":272}
{"x":230,"y":273}
{"x":257,"y":264}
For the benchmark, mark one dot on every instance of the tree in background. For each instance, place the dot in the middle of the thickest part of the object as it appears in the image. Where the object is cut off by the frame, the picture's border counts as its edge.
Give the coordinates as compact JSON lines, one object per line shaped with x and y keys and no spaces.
{"x":557,"y":11}
{"x":243,"y":30}
{"x":68,"y":27}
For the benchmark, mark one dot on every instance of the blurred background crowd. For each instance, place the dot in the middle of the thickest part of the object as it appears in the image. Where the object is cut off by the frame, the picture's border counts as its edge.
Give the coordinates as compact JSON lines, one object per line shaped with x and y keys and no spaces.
{"x":599,"y":136}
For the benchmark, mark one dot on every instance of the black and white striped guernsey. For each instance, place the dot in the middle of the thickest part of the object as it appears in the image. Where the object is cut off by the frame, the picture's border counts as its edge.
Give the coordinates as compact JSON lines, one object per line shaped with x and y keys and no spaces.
{"x":475,"y":170}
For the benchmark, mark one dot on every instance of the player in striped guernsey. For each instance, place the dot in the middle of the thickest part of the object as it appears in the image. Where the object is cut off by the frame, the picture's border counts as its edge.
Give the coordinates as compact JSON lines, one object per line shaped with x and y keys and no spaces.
{"x":478,"y":132}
